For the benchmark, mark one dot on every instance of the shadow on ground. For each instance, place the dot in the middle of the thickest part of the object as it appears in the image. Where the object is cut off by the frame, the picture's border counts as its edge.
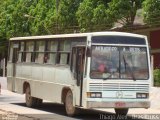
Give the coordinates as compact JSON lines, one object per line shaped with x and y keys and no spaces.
{"x":83,"y":114}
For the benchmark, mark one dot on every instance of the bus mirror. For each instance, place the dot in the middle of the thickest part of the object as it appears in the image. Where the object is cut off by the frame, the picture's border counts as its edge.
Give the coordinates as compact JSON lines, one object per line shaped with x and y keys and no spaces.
{"x":88,"y":52}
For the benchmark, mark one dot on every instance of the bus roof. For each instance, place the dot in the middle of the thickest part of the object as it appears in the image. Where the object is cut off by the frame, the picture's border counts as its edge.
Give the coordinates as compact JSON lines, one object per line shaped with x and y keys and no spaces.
{"x":76,"y":35}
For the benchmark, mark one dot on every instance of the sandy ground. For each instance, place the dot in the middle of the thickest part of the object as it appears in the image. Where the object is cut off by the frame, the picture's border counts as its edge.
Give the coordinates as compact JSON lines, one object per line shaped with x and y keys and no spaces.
{"x":154,"y":98}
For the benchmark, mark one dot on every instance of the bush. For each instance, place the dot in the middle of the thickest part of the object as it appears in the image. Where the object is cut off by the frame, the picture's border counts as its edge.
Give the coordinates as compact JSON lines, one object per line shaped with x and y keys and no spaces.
{"x":156,"y":74}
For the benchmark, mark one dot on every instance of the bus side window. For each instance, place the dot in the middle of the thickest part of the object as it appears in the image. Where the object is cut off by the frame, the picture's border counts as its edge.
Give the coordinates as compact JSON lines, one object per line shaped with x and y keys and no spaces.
{"x":15,"y":52}
{"x":10,"y":52}
{"x":39,"y":52}
{"x":29,"y":50}
{"x":63,"y":52}
{"x":51,"y":52}
{"x":73,"y":62}
{"x":21,"y":52}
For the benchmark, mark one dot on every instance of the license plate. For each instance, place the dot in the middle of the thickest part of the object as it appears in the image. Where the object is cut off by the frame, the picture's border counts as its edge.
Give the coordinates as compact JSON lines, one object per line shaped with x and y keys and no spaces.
{"x":120,"y":104}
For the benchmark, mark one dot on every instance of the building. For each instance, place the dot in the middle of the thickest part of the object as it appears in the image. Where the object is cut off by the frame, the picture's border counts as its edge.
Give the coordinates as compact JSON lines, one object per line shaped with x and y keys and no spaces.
{"x":153,"y":34}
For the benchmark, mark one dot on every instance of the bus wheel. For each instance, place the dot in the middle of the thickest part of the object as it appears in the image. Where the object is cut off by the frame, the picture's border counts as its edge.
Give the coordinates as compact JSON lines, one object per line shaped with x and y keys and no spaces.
{"x":121,"y":111}
{"x":30,"y":101}
{"x":38,"y":102}
{"x":70,"y":109}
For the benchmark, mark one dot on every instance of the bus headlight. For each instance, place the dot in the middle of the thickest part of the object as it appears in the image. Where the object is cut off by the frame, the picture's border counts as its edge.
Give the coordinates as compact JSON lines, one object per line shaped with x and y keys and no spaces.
{"x":94,"y":94}
{"x":142,"y":95}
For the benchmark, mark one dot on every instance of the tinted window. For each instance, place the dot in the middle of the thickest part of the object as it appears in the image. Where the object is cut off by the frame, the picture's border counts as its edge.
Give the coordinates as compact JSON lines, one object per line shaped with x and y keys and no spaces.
{"x":118,"y":40}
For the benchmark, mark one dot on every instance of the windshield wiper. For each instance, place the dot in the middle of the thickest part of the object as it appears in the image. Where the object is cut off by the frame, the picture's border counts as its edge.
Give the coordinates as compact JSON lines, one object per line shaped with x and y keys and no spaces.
{"x":130,"y":69}
{"x":108,"y":76}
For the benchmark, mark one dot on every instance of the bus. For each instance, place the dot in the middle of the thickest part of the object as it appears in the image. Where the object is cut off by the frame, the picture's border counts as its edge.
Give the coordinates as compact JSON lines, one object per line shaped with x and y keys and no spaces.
{"x":81,"y":70}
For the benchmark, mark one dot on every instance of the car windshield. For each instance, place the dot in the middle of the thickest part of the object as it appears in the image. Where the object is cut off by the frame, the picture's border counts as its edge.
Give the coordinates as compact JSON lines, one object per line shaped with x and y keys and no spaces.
{"x":112,"y":62}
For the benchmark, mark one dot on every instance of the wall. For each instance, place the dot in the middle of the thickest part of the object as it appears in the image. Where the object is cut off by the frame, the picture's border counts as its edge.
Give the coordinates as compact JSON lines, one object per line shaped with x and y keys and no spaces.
{"x":155,"y":47}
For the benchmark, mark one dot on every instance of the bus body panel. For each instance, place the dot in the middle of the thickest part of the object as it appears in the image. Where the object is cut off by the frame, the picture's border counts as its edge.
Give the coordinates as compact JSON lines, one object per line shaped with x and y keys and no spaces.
{"x":45,"y":82}
{"x":10,"y":76}
{"x":118,"y":94}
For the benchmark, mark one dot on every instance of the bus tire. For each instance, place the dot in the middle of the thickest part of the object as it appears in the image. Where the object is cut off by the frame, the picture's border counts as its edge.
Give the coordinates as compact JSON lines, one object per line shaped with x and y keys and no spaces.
{"x":70,"y":109}
{"x":38,"y":102}
{"x":121,"y":111}
{"x":30,"y":101}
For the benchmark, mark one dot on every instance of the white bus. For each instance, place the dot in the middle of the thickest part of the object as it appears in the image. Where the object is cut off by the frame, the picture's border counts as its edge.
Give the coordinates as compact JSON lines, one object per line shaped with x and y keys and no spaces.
{"x":83,"y":70}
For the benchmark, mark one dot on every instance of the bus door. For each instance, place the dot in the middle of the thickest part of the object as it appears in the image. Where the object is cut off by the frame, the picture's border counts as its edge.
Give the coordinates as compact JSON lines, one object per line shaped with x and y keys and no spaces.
{"x":77,"y":68}
{"x":14,"y":61}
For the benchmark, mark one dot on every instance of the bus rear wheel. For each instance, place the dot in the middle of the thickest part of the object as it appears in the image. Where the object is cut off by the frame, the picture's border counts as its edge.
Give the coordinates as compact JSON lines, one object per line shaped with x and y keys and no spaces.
{"x":69,"y":107}
{"x":30,"y":101}
{"x":38,"y":102}
{"x":121,"y":111}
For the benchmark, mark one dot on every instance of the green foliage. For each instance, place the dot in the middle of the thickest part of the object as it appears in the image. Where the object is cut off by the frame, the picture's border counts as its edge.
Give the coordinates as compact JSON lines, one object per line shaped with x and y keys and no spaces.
{"x":15,"y":23}
{"x":50,"y":21}
{"x":38,"y":17}
{"x":100,"y":19}
{"x":38,"y":14}
{"x":124,"y":11}
{"x":41,"y":17}
{"x":3,"y":29}
{"x":151,"y":12}
{"x":67,"y":15}
{"x":157,"y":77}
{"x":92,"y":15}
{"x":85,"y":14}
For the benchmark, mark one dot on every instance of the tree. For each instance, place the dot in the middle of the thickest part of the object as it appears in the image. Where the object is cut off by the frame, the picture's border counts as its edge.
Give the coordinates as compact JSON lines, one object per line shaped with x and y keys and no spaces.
{"x":151,"y":12}
{"x":92,"y":15}
{"x":19,"y":23}
{"x":67,"y":15}
{"x":37,"y":15}
{"x":13,"y":21}
{"x":4,"y":21}
{"x":51,"y":17}
{"x":5,"y":9}
{"x":101,"y":20}
{"x":124,"y":11}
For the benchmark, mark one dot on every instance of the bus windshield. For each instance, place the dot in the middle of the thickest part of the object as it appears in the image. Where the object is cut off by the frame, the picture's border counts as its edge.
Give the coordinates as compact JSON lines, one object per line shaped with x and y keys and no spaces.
{"x":113,"y":62}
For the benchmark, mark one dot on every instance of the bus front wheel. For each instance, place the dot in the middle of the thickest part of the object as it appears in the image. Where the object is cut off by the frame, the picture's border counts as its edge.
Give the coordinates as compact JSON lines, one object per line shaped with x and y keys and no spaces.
{"x":121,"y":111}
{"x":70,"y":109}
{"x":30,"y":101}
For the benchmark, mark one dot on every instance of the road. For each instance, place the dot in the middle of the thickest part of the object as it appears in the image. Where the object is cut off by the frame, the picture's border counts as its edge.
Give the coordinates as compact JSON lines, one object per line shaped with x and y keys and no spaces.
{"x":12,"y":107}
{"x":14,"y":104}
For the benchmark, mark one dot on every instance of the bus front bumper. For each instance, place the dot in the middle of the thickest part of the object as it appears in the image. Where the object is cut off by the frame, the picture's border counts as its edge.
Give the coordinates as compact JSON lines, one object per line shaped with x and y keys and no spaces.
{"x":119,"y":104}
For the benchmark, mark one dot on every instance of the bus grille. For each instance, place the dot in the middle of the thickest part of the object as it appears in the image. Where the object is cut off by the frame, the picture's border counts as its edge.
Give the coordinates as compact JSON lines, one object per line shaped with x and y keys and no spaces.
{"x":118,"y":87}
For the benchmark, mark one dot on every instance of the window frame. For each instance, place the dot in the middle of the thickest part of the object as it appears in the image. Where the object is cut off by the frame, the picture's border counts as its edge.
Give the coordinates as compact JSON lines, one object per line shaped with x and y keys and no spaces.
{"x":63,"y":51}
